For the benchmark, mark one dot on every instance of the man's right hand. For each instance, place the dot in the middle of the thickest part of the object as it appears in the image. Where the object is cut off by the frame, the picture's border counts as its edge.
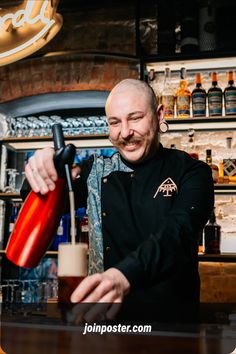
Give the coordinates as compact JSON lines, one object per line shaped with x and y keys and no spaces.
{"x":41,"y":172}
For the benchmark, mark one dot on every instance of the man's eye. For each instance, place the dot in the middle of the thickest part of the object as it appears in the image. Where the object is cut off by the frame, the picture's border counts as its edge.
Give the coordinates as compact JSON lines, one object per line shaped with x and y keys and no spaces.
{"x":136,"y":118}
{"x":113,"y":123}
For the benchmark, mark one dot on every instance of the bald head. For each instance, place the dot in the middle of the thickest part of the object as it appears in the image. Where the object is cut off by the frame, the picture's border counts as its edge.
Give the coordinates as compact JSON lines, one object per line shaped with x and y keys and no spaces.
{"x":135,"y":86}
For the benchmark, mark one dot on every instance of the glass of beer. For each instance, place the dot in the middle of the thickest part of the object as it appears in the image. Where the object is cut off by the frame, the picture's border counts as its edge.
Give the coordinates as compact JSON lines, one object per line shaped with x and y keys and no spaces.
{"x":72,"y":268}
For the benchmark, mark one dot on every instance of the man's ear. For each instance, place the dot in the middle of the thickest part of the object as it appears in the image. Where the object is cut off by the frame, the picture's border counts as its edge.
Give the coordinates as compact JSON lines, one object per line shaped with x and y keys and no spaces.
{"x":161,"y":113}
{"x":163,"y":125}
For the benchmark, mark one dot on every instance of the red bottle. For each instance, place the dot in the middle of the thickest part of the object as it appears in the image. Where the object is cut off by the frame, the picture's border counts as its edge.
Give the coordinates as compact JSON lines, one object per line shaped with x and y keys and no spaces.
{"x":36,"y":226}
{"x":40,"y":214}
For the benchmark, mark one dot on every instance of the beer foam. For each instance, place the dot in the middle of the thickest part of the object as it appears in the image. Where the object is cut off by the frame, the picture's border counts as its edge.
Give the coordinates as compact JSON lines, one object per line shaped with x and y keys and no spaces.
{"x":72,"y":259}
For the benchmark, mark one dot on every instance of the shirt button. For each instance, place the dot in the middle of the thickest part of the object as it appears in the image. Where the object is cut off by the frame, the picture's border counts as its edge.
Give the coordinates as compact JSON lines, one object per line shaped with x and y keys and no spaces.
{"x":104,"y":213}
{"x":132,"y":175}
{"x":108,"y":249}
{"x":104,"y":180}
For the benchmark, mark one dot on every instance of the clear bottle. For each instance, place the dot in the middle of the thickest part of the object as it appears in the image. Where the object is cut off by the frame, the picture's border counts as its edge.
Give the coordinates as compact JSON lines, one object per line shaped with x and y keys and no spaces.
{"x":215,"y":97}
{"x":168,"y":95}
{"x":212,"y":235}
{"x":198,"y":98}
{"x":230,"y":95}
{"x":183,"y":95}
{"x":214,"y":168}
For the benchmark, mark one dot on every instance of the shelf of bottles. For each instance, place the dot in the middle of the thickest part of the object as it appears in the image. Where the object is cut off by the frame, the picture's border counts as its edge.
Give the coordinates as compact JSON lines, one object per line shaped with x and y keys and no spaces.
{"x":204,"y":94}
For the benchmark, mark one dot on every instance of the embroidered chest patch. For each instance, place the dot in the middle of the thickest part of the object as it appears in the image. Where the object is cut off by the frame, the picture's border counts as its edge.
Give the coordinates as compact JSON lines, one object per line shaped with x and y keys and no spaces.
{"x":167,"y":188}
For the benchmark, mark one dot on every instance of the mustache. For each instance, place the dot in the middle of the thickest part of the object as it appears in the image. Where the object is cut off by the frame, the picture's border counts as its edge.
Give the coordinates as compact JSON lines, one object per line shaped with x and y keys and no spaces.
{"x":130,"y":140}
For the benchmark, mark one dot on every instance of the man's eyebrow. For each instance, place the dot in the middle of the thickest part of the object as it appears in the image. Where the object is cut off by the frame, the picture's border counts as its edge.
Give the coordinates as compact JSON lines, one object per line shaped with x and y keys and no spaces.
{"x":135,"y":112}
{"x":129,"y":115}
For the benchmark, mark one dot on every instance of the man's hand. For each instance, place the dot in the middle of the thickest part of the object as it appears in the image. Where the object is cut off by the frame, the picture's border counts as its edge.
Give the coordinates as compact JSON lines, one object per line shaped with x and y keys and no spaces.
{"x":41,"y":173}
{"x":106,"y":288}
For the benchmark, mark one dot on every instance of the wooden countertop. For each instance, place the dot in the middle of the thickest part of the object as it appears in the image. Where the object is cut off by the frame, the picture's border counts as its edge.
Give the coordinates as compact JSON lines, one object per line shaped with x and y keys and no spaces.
{"x":28,"y":338}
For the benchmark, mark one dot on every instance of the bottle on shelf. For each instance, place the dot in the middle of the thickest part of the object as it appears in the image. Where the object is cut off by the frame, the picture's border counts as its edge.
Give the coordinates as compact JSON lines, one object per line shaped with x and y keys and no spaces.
{"x":189,"y":27}
{"x":214,"y":168}
{"x":230,"y":95}
{"x":13,"y":217}
{"x":183,"y":95}
{"x":215,"y":97}
{"x":212,"y":235}
{"x":199,"y":98}
{"x":84,"y":230}
{"x":61,"y":234}
{"x":168,"y":95}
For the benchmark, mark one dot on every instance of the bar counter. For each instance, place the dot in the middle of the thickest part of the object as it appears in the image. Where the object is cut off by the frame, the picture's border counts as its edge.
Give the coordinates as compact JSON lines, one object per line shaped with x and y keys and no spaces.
{"x":44,"y":338}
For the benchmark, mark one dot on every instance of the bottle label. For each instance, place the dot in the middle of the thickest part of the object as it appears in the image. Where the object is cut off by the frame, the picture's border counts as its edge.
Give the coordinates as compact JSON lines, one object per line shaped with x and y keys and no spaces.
{"x":59,"y":231}
{"x":168,"y":102}
{"x":230,"y":102}
{"x":215,"y":175}
{"x":84,"y":228}
{"x":199,"y":104}
{"x":183,"y":105}
{"x":215,"y":103}
{"x":11,"y":226}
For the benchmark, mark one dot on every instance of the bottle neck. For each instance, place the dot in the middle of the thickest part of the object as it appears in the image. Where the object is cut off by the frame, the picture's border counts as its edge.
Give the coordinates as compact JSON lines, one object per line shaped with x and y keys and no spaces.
{"x":209,"y":160}
{"x":230,"y":82}
{"x":183,"y":83}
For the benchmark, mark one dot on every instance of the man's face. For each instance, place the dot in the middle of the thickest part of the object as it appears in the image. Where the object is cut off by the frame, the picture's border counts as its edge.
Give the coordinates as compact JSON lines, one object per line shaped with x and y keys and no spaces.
{"x":133,"y":126}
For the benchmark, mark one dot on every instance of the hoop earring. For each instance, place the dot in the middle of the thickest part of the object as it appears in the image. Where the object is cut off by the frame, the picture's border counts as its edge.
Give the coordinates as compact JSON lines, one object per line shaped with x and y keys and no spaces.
{"x":164,"y":127}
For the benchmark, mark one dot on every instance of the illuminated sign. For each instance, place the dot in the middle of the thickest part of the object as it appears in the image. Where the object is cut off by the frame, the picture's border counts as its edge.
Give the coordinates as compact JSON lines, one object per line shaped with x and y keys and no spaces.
{"x":27,"y":28}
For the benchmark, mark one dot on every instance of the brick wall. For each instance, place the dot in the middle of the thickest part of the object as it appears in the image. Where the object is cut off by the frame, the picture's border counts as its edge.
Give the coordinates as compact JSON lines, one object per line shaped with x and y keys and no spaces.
{"x":64,"y":73}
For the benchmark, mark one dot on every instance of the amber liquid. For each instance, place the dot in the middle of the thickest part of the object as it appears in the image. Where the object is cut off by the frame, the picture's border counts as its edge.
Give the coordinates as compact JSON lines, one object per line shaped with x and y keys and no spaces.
{"x":66,"y":286}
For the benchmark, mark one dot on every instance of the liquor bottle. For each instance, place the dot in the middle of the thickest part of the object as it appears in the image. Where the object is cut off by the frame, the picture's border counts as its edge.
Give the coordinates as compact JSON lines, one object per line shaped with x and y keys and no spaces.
{"x":168,"y":95}
{"x":183,"y":95}
{"x":230,"y":95}
{"x":61,"y":234}
{"x":189,"y":27}
{"x":84,"y":230}
{"x":214,"y":168}
{"x":199,"y":98}
{"x":13,"y":217}
{"x":212,"y":235}
{"x":215,"y":97}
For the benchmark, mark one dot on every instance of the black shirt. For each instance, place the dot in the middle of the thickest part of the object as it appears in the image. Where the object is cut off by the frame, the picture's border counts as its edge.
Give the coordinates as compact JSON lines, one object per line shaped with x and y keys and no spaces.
{"x":151,"y":220}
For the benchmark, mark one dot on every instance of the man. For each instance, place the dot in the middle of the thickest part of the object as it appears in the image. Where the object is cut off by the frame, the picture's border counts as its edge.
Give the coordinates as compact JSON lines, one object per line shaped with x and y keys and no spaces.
{"x":146,"y":205}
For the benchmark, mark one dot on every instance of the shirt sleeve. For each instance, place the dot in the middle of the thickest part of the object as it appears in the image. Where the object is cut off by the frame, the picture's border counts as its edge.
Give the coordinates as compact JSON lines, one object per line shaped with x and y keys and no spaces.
{"x":174,"y":245}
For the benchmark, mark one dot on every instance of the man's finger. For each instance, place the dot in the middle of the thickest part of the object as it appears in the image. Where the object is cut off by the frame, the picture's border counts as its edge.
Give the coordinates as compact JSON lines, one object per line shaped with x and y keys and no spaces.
{"x":85,"y":287}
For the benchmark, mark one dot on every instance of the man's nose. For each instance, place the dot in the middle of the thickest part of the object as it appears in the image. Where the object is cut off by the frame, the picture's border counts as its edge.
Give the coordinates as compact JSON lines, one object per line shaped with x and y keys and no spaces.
{"x":126,"y":131}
